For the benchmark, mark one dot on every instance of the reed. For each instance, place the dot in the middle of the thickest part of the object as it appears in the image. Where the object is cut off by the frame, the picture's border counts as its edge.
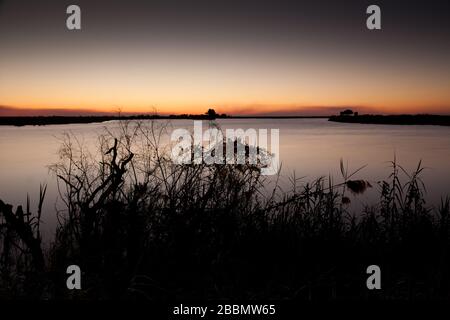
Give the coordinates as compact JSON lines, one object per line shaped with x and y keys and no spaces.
{"x":141,"y":227}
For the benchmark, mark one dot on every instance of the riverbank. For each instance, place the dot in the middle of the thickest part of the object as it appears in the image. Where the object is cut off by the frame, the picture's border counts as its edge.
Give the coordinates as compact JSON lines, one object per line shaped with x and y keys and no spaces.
{"x":419,"y":119}
{"x":52,"y":120}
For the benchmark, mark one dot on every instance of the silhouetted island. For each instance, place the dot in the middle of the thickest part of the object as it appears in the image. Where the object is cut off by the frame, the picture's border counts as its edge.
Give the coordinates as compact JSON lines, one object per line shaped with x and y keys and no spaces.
{"x":405,"y":119}
{"x":51,"y":120}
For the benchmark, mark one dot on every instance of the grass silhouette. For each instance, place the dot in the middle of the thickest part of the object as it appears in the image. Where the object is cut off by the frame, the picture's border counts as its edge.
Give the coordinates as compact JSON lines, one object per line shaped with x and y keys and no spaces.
{"x":141,"y":227}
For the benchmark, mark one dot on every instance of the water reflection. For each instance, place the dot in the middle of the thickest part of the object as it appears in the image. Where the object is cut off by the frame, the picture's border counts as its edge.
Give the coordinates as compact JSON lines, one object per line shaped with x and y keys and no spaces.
{"x":309,"y":147}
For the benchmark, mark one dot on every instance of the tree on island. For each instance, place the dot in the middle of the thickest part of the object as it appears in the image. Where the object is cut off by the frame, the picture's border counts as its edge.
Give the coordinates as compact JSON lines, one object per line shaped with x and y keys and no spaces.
{"x":347,"y":112}
{"x":211,"y":113}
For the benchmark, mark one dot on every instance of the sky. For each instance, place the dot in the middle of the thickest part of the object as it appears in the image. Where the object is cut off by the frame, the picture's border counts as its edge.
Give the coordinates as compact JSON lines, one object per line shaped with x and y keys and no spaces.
{"x":240,"y":57}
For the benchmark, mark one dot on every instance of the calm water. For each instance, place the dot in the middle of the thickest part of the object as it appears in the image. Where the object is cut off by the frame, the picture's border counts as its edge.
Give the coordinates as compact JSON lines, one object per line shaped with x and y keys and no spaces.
{"x":310,"y":147}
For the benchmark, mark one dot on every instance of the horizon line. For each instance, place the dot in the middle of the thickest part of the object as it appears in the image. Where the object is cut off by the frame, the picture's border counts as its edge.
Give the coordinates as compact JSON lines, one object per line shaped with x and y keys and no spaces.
{"x":311,"y":111}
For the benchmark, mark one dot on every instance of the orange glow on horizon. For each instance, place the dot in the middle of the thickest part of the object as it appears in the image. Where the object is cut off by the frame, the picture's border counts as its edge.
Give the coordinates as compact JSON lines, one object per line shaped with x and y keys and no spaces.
{"x":235,"y":109}
{"x":235,"y":82}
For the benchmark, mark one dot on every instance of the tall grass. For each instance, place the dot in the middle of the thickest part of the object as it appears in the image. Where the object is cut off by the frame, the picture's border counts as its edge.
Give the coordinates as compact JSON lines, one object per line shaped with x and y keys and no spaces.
{"x":142,"y":227}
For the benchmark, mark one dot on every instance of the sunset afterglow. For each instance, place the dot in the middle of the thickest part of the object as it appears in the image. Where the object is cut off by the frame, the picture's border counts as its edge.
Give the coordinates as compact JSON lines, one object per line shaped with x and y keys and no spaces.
{"x":142,"y":62}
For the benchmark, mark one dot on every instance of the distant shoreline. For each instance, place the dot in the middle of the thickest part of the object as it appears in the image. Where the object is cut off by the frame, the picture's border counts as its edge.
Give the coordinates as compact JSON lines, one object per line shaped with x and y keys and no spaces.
{"x":19,"y":121}
{"x":418,"y":119}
